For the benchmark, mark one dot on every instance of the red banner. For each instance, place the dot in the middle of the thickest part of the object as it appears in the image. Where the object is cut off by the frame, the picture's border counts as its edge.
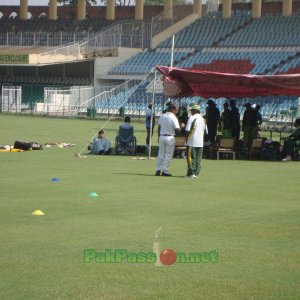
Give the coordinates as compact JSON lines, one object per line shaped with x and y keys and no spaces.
{"x":185,"y":82}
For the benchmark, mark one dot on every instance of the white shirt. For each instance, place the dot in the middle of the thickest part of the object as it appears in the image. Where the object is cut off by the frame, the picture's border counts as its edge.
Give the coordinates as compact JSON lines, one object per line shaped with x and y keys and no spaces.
{"x":196,"y":127}
{"x":168,"y":123}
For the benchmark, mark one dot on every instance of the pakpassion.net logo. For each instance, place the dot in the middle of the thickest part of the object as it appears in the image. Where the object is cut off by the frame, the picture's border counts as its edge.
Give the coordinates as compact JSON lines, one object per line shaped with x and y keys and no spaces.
{"x":166,"y":257}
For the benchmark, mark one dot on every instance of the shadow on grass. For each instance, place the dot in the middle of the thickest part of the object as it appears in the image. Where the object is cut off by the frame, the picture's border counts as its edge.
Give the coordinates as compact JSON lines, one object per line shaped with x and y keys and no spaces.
{"x":150,"y":175}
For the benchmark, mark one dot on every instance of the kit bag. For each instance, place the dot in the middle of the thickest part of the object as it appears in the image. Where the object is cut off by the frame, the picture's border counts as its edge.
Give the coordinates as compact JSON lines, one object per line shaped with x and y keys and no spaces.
{"x":27,"y":146}
{"x":22,"y":145}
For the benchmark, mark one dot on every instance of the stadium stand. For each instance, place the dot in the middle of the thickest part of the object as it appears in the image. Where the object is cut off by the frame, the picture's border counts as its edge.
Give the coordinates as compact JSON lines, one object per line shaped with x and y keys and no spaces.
{"x":267,"y":31}
{"x":240,"y":44}
{"x":231,"y":45}
{"x":207,"y":31}
{"x":45,"y":25}
{"x":143,"y":62}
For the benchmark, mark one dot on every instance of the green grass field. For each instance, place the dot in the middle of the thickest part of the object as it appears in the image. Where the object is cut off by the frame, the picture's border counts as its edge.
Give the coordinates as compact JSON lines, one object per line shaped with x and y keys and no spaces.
{"x":248,"y":211}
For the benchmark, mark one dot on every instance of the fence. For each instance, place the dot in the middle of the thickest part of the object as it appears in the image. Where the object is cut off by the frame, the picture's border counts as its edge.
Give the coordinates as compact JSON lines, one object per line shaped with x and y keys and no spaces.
{"x":65,"y":101}
{"x":41,"y":39}
{"x":130,"y":34}
{"x":63,"y":54}
{"x":10,"y":100}
{"x":132,"y":98}
{"x":87,"y":100}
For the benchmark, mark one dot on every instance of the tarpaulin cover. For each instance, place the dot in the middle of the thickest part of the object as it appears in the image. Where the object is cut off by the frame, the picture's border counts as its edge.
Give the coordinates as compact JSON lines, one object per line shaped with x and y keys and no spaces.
{"x":179,"y":82}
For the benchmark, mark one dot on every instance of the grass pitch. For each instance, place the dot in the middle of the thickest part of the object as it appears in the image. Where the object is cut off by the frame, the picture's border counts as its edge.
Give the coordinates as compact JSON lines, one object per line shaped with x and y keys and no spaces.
{"x":248,"y":211}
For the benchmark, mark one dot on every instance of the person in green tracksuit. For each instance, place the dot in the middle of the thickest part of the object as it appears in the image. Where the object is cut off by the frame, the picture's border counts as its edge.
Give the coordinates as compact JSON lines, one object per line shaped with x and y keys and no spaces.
{"x":194,"y":129}
{"x":225,"y":122}
{"x":292,"y":141}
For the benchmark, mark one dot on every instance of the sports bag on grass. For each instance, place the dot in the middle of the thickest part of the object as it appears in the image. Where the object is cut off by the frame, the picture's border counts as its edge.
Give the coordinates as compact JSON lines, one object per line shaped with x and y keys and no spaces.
{"x":27,"y":146}
{"x":22,"y":145}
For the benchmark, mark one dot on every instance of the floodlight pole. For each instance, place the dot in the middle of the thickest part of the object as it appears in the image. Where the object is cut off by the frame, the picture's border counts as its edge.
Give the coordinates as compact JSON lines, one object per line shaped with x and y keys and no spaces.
{"x":152,"y":112}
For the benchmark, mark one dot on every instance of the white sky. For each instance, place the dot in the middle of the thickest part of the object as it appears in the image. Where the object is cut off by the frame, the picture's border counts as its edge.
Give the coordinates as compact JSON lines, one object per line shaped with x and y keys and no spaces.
{"x":30,"y":2}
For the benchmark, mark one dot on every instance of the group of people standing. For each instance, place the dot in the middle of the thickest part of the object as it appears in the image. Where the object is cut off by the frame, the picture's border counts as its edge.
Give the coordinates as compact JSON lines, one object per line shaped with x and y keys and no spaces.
{"x":228,"y":122}
{"x":176,"y":121}
{"x":190,"y":123}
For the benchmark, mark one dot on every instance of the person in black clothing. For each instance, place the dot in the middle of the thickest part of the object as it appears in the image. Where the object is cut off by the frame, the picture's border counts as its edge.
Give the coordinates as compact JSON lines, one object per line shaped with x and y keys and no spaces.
{"x":212,"y":117}
{"x":182,"y":117}
{"x":234,"y":120}
{"x":249,"y":124}
{"x":293,"y":140}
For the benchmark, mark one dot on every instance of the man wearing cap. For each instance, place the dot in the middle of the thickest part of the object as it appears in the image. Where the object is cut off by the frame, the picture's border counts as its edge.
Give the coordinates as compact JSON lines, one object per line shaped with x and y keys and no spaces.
{"x":167,"y":126}
{"x":195,"y":129}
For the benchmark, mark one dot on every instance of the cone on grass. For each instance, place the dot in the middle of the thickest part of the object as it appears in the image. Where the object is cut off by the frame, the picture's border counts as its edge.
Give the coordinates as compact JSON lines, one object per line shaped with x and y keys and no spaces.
{"x":38,"y":212}
{"x":93,"y":194}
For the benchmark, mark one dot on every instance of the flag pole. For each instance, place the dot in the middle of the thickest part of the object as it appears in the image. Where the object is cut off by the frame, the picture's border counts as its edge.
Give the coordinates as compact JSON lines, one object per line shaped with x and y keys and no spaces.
{"x":152,"y":112}
{"x":172,"y":51}
{"x":172,"y":55}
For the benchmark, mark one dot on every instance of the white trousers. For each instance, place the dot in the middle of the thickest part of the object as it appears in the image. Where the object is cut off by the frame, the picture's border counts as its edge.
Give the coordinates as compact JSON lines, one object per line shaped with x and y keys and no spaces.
{"x":165,"y":153}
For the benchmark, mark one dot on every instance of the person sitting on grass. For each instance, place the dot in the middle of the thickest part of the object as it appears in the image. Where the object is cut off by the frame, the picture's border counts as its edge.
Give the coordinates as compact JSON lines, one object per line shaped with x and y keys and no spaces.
{"x":291,"y":141}
{"x":101,"y":145}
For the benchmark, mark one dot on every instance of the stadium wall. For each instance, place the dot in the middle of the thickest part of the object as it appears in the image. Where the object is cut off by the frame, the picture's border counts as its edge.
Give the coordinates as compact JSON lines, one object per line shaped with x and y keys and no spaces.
{"x":122,"y":12}
{"x":104,"y":64}
{"x":127,"y":12}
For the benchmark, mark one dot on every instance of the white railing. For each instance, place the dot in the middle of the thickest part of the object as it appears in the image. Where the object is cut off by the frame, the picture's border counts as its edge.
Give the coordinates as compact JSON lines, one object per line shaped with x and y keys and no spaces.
{"x":130,"y":34}
{"x":63,"y":54}
{"x":80,"y":100}
{"x":41,"y":39}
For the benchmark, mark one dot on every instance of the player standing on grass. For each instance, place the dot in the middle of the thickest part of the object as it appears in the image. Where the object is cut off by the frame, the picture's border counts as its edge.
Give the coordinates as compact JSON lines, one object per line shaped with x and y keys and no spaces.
{"x":195,"y":129}
{"x":167,"y":125}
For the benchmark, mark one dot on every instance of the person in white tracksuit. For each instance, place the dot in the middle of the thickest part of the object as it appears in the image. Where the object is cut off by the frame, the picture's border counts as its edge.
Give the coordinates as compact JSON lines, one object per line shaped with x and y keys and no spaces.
{"x":167,"y":127}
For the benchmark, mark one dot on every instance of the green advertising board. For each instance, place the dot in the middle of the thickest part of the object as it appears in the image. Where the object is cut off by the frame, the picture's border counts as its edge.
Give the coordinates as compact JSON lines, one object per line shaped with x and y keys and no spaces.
{"x":14,"y":59}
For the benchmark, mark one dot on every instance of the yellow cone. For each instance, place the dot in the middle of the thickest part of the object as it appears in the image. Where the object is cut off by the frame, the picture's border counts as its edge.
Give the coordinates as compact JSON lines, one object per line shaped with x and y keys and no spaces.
{"x":38,"y":213}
